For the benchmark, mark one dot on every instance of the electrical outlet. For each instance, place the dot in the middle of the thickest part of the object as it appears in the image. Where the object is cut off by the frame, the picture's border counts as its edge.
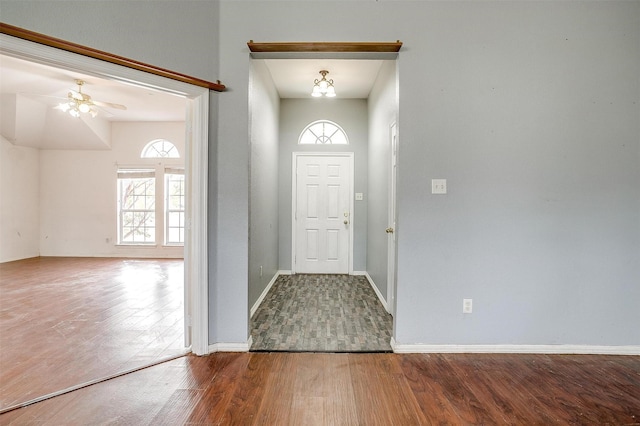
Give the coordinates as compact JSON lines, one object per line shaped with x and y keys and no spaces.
{"x":467,"y":306}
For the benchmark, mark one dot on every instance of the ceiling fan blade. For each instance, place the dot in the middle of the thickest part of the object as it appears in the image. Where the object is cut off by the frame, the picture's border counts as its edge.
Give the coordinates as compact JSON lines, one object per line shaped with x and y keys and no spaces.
{"x":109,"y":105}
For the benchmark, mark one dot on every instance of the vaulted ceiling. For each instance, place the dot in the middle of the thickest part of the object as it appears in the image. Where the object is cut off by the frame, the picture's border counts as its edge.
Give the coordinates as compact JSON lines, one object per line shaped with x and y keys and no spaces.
{"x":29,"y":93}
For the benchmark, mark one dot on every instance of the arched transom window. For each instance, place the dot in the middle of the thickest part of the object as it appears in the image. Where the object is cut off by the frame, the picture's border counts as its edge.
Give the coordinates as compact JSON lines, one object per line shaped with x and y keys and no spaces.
{"x":323,"y":132}
{"x":160,"y":148}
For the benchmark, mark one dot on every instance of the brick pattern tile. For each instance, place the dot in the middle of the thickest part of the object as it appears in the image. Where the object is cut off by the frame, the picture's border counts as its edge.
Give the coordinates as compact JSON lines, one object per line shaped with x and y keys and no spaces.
{"x":321,"y":313}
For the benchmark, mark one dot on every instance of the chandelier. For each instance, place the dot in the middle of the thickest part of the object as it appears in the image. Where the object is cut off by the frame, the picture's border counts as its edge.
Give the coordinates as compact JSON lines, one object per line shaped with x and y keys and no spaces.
{"x":323,"y":87}
{"x":78,"y":103}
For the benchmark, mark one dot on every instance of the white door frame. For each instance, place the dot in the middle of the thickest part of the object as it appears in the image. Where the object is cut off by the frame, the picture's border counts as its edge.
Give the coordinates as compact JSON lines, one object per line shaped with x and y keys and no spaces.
{"x":294,"y":193}
{"x":391,"y":221}
{"x":196,"y":165}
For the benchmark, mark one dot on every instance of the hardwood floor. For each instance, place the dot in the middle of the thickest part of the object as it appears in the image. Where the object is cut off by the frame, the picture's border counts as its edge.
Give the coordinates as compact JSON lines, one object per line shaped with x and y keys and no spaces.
{"x":357,"y":389}
{"x":66,"y":321}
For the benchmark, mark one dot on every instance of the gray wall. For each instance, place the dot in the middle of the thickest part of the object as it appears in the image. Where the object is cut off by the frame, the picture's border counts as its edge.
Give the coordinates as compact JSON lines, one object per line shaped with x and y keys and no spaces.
{"x":383,"y":110}
{"x":529,"y":109}
{"x":264,"y":107}
{"x":177,"y":35}
{"x":351,"y":115}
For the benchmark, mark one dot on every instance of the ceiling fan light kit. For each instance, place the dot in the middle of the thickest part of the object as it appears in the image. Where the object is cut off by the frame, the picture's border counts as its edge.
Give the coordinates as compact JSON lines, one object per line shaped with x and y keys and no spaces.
{"x":79,"y":103}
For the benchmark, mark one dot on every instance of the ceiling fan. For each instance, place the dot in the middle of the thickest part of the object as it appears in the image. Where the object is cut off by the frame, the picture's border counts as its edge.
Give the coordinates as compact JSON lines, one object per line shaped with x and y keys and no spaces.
{"x":80,"y":103}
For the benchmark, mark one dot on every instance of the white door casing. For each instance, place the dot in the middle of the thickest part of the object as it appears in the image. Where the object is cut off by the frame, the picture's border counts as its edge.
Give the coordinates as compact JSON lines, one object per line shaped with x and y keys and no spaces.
{"x":392,"y":228}
{"x":322,"y":213}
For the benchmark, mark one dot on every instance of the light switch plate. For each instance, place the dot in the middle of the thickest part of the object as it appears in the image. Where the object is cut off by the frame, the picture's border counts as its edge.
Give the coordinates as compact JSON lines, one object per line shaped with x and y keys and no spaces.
{"x":438,"y":186}
{"x":359,"y":196}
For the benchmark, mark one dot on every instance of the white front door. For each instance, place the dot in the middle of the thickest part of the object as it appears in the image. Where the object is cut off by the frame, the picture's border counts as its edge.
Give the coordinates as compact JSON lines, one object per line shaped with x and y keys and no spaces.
{"x":322,"y":220}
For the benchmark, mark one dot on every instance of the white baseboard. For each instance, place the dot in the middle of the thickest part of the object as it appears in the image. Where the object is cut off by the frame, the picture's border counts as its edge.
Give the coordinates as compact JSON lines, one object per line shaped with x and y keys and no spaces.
{"x":230,"y":347}
{"x":517,"y":349}
{"x":256,"y":305}
{"x":375,"y":289}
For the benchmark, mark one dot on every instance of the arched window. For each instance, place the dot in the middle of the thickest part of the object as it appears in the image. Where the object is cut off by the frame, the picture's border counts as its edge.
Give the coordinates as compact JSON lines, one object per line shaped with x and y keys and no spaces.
{"x":323,"y":132}
{"x":160,"y":148}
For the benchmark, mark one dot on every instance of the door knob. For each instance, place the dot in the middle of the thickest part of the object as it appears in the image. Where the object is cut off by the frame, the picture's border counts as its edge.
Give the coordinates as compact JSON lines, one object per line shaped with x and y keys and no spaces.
{"x":346,"y":222}
{"x":389,"y":230}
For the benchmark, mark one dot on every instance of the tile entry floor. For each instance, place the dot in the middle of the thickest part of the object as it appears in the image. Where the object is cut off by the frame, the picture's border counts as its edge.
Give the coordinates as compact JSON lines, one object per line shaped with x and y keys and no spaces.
{"x":321,"y":313}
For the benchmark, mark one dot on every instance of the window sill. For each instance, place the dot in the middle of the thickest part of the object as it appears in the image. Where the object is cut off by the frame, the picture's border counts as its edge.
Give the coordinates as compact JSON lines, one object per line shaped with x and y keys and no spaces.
{"x":179,"y":246}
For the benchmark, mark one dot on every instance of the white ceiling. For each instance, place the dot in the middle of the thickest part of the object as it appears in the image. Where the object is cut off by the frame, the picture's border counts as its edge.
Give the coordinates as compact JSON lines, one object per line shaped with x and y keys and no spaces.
{"x":30,"y":92}
{"x":352,"y":78}
{"x":50,"y":86}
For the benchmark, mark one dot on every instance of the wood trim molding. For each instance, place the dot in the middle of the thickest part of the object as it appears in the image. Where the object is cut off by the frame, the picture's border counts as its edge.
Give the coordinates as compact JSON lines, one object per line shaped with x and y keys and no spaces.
{"x":306,"y":47}
{"x":104,"y":56}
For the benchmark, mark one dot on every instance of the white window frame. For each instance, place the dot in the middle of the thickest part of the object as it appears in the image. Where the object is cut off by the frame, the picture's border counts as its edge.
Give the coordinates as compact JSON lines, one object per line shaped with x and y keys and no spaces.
{"x":138,"y":173}
{"x":322,"y":137}
{"x":160,"y":172}
{"x":168,"y":172}
{"x":160,"y":148}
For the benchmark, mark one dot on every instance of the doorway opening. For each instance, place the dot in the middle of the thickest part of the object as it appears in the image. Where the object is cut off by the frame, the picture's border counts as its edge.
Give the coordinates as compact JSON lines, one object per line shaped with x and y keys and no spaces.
{"x":196,"y":101}
{"x":280,"y":108}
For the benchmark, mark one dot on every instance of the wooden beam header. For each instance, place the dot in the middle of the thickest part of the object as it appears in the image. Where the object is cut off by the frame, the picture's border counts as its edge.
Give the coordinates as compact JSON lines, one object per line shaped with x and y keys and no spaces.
{"x":326,"y":47}
{"x":104,"y":56}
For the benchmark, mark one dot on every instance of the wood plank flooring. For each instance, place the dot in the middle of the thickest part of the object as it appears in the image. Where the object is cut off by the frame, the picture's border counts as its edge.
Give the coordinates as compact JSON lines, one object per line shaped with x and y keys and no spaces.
{"x":357,"y":389}
{"x":66,"y":321}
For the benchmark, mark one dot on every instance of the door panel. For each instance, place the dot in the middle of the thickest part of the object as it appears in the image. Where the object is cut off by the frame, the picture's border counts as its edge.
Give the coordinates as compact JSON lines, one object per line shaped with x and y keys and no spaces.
{"x":322,"y":216}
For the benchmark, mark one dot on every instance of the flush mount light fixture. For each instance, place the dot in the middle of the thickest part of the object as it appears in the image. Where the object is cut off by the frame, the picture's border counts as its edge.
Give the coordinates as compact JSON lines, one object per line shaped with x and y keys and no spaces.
{"x":323,"y":87}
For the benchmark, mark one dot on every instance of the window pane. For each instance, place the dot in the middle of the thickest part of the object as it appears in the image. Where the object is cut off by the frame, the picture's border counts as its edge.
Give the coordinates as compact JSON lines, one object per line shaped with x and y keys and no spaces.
{"x":323,"y":132}
{"x":176,"y":219}
{"x":138,"y":227}
{"x":175,"y":203}
{"x":136,"y":195}
{"x":160,"y":148}
{"x":174,"y":234}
